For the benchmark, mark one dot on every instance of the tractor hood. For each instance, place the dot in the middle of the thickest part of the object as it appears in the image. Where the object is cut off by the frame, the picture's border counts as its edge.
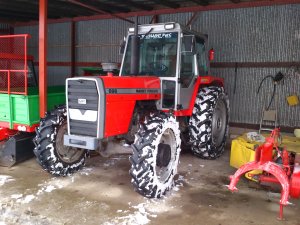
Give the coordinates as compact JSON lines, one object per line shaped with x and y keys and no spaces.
{"x":132,"y":85}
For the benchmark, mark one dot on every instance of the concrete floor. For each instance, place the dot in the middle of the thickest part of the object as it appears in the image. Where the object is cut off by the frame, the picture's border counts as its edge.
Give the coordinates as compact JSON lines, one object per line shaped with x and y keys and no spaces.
{"x":102,"y":194}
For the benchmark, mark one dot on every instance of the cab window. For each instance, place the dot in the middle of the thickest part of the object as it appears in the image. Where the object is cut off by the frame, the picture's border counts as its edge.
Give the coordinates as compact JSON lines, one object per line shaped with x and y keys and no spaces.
{"x":201,"y":57}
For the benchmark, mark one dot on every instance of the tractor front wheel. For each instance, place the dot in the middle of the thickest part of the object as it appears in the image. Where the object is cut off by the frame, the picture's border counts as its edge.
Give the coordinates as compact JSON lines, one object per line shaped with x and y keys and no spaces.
{"x":51,"y":153}
{"x":155,"y":156}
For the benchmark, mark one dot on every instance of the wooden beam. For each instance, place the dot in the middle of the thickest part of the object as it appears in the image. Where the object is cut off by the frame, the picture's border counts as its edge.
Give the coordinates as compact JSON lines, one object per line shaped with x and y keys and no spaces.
{"x":43,"y":28}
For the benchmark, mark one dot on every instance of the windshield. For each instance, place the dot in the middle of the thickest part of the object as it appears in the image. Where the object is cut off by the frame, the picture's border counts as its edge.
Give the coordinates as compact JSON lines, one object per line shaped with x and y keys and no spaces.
{"x":158,"y":55}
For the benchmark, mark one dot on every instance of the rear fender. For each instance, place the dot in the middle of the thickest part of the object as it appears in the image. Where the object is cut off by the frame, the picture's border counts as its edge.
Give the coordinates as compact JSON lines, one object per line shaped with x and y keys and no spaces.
{"x":200,"y":82}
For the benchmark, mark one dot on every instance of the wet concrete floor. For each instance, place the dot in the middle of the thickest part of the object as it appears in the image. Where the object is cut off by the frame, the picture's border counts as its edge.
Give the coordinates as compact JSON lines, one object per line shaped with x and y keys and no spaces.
{"x":101,"y":193}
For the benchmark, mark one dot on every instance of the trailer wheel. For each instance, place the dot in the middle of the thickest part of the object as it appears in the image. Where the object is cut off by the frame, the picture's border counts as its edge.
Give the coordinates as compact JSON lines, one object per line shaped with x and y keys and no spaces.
{"x":50,"y":151}
{"x":155,"y":156}
{"x":208,"y":125}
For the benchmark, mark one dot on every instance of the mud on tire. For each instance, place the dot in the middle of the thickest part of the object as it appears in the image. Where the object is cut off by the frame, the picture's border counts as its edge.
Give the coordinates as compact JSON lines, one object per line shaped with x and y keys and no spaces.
{"x":208,"y":125}
{"x":152,"y":167}
{"x":51,"y":154}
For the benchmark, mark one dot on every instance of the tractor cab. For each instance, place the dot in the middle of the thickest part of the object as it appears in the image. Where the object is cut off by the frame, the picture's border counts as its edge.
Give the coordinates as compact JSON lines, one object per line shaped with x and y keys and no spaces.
{"x":171,"y":52}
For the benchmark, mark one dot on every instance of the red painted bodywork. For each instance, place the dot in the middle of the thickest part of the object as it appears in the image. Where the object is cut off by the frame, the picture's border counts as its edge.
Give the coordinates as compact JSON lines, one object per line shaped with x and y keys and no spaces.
{"x":127,"y":102}
{"x":201,"y":81}
{"x":43,"y":31}
{"x":19,"y":127}
{"x":295,"y":184}
{"x":5,"y":133}
{"x":120,"y":107}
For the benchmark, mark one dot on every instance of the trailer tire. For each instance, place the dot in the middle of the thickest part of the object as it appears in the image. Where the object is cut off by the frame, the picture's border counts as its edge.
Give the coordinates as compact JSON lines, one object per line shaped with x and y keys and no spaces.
{"x":155,"y":156}
{"x":208,"y":125}
{"x":51,"y":154}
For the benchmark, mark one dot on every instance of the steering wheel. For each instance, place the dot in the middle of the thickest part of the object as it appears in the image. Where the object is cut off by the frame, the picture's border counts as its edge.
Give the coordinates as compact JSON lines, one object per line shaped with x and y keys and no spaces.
{"x":158,"y":67}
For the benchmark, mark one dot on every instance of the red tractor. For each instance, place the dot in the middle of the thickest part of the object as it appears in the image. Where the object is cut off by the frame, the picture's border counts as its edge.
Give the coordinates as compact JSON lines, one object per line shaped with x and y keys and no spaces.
{"x":163,"y":98}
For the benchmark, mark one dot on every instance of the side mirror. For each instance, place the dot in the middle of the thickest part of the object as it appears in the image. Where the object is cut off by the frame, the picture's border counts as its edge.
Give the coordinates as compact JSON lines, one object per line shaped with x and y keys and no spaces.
{"x":188,"y":44}
{"x":122,"y":46}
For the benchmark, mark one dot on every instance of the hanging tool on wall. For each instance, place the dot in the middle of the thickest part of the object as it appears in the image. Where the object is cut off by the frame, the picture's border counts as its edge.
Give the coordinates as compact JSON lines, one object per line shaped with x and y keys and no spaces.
{"x":276,"y":79}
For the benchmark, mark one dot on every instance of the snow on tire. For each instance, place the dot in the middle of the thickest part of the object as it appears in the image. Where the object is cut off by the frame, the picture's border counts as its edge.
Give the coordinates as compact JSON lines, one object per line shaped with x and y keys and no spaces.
{"x":49,"y":149}
{"x":155,"y":156}
{"x":208,"y":125}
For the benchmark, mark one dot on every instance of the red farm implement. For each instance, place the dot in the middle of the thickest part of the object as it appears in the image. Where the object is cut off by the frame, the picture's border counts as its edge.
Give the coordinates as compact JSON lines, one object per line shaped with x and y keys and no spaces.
{"x":278,"y":166}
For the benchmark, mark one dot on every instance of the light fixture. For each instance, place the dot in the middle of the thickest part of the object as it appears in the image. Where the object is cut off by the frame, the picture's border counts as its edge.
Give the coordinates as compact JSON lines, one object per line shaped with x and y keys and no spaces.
{"x":169,"y":26}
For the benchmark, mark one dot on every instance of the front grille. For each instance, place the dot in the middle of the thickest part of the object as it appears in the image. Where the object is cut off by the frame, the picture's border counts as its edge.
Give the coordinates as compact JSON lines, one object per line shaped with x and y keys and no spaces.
{"x":83,"y":89}
{"x":81,"y":127}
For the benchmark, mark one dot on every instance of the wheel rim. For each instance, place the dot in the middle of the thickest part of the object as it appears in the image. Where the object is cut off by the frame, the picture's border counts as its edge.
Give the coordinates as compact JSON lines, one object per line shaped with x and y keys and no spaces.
{"x":219,"y":122}
{"x":66,"y":153}
{"x":163,"y":172}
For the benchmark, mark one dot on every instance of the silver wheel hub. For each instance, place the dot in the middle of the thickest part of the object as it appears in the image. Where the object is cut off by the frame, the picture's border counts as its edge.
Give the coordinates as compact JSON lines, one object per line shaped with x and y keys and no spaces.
{"x":219,"y":122}
{"x":166,"y":160}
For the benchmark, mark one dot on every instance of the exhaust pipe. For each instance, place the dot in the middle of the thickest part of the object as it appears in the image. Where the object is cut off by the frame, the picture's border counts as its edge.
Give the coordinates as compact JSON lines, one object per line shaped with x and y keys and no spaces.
{"x":135,"y":50}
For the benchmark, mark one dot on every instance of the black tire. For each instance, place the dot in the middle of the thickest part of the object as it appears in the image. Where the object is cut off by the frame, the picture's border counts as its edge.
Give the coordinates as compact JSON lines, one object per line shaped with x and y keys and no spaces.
{"x":150,"y":177}
{"x":208,"y":125}
{"x":51,"y":154}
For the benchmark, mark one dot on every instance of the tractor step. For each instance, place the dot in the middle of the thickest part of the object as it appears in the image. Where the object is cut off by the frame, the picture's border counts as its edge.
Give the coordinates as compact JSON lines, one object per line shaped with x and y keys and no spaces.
{"x":16,"y":149}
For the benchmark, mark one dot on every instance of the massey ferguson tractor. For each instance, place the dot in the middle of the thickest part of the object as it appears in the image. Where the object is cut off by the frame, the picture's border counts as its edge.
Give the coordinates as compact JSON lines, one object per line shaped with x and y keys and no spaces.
{"x":162,"y":99}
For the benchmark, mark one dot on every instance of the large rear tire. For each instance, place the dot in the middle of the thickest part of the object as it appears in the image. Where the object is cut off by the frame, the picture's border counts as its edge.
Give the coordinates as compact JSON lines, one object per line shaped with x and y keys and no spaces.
{"x":208,"y":124}
{"x":51,"y":153}
{"x":155,"y":156}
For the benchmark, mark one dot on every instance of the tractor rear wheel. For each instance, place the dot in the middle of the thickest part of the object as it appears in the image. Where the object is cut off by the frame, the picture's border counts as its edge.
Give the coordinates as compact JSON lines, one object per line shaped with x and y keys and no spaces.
{"x":208,"y":124}
{"x":51,"y":153}
{"x":155,"y":156}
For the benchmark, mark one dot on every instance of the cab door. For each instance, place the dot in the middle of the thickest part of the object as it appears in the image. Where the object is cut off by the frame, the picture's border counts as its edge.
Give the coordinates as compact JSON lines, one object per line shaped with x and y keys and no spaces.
{"x":193,"y":63}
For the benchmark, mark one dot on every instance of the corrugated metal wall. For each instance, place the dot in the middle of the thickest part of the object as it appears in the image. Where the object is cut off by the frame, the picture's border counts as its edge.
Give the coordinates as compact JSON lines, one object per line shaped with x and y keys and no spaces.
{"x":265,"y":34}
{"x":59,"y":45}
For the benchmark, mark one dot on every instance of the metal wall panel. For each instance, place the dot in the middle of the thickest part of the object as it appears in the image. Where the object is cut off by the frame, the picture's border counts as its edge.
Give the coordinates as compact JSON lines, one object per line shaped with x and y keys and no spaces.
{"x":264,"y":34}
{"x":59,"y":45}
{"x":246,"y":105}
{"x":59,"y":41}
{"x":98,"y":40}
{"x":4,"y":26}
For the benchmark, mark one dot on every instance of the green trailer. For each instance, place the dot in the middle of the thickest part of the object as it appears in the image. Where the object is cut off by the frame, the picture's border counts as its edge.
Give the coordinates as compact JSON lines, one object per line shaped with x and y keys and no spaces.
{"x":19,"y":100}
{"x":21,"y":112}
